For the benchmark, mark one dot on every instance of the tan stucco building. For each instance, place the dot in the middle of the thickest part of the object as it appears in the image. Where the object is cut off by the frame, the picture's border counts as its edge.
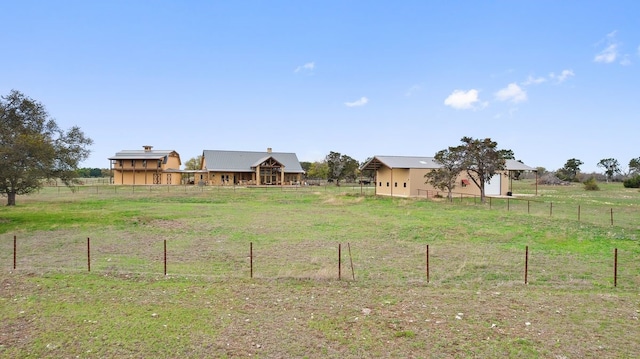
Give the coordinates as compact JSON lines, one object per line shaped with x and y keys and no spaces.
{"x":146,"y":167}
{"x":249,"y":168}
{"x":403,"y":176}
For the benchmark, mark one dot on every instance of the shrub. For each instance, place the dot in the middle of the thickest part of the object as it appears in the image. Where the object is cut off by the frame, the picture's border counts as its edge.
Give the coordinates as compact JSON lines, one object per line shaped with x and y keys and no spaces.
{"x":633,"y":182}
{"x":591,"y":185}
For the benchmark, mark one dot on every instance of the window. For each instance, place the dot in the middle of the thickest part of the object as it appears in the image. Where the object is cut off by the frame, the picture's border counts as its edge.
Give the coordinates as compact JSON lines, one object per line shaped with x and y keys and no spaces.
{"x":121,"y":163}
{"x":144,"y":163}
{"x":395,"y":184}
{"x":405,"y":185}
{"x":465,"y":182}
{"x":380,"y":185}
{"x":133,"y":163}
{"x":387,"y":184}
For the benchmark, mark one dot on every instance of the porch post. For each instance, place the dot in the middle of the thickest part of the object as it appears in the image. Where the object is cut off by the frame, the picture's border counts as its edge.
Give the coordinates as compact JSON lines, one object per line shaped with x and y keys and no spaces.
{"x":258,"y":175}
{"x":282,"y":176}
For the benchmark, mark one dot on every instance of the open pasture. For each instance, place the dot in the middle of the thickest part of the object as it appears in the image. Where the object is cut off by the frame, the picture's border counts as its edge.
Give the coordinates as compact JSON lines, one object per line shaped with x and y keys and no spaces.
{"x":475,"y":303}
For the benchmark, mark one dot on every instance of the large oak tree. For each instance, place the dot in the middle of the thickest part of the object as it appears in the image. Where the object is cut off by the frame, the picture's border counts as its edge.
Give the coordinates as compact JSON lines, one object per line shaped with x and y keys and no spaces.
{"x":33,"y":147}
{"x":341,"y":167}
{"x":570,"y":170}
{"x":611,"y":167}
{"x":482,"y":160}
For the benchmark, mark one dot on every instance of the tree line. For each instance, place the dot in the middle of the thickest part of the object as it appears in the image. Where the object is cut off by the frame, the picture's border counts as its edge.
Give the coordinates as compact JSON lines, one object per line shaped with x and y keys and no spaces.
{"x":612,"y":171}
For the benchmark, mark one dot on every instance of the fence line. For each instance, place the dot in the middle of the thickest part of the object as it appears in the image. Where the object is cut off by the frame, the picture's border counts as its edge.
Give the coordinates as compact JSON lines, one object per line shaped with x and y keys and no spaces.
{"x":622,"y":216}
{"x":557,"y":270}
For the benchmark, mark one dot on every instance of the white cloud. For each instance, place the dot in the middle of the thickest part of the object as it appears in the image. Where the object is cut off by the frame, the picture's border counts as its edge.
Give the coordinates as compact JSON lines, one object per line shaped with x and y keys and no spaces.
{"x":308,"y":67}
{"x":607,"y":55}
{"x":464,"y":100}
{"x":563,"y":76}
{"x":534,"y":81}
{"x":512,"y":93}
{"x":610,"y":52}
{"x":361,"y":102}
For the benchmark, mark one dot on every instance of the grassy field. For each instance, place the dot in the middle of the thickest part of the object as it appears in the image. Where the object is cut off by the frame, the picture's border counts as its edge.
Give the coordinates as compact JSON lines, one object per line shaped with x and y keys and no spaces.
{"x":475,"y":305}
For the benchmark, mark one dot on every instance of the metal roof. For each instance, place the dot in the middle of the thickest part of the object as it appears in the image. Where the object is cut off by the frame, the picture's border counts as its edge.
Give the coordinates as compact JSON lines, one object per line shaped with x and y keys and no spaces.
{"x":426,"y":162}
{"x":513,"y":165}
{"x":400,"y":162}
{"x":246,"y":161}
{"x":142,"y":154}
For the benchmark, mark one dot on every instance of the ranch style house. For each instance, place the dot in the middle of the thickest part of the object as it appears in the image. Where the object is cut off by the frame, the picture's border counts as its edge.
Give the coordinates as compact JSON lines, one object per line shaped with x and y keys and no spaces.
{"x":249,"y":168}
{"x":403,"y":176}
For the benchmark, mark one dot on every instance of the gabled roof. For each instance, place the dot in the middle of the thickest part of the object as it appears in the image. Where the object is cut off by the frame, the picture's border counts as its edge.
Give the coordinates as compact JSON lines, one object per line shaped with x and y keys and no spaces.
{"x":400,"y":162}
{"x":426,"y":163}
{"x":263,"y":160}
{"x":144,"y":155}
{"x":246,"y":161}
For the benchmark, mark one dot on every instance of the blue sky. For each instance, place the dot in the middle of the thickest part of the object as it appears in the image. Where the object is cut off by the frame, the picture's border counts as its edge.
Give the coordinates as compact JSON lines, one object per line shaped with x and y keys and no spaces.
{"x":550,"y":80}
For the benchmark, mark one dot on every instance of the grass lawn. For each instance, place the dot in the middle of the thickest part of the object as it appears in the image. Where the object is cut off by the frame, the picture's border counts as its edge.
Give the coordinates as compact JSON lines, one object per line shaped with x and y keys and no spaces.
{"x":475,"y":303}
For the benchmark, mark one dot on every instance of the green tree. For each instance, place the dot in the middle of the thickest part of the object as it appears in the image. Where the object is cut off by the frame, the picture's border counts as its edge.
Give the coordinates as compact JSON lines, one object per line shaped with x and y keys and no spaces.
{"x":507,"y":154}
{"x":86,"y":172}
{"x":341,"y":167}
{"x":318,"y":170}
{"x":634,"y":165}
{"x":95,"y":172}
{"x":305,"y":166}
{"x":481,"y":160}
{"x":33,"y":147}
{"x":450,"y":161}
{"x":570,"y":170}
{"x":611,"y":167}
{"x":194,"y":163}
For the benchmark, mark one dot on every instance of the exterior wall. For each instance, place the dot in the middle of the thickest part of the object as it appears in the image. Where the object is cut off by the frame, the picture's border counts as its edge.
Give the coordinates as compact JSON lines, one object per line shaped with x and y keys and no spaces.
{"x":229,"y":178}
{"x":146,"y":172}
{"x":504,"y":184}
{"x":139,"y":177}
{"x":172,"y":162}
{"x":245,"y":178}
{"x":390,"y":182}
{"x":418,"y":184}
{"x":396,"y":182}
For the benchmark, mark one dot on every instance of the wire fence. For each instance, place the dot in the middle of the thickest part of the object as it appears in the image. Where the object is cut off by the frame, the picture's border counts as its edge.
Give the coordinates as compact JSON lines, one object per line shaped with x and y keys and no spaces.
{"x":614,"y":215}
{"x":391,"y":264}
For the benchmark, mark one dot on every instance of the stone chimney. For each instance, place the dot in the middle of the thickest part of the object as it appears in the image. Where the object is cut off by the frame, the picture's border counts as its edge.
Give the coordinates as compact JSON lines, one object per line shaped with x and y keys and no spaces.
{"x":269,"y":150}
{"x":147,"y":148}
